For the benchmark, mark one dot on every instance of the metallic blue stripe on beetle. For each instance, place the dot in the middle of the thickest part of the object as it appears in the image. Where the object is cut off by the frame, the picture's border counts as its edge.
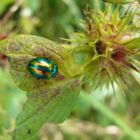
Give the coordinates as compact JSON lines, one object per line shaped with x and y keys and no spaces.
{"x":43,"y":68}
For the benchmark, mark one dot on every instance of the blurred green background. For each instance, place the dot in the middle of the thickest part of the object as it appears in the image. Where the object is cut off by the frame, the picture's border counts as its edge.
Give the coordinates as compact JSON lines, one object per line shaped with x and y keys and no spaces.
{"x":104,"y":116}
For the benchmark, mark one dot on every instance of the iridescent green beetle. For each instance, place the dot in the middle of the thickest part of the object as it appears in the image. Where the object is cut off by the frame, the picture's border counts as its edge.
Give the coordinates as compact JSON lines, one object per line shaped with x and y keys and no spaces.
{"x":43,"y":68}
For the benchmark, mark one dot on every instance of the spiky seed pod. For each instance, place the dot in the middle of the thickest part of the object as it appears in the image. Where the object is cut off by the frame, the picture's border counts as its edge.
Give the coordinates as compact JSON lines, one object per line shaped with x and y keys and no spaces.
{"x":113,"y":61}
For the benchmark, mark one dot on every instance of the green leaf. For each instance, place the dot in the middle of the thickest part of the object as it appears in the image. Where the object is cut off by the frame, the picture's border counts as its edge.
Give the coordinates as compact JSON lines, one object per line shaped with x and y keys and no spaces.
{"x":4,"y":4}
{"x":53,"y":106}
{"x":119,"y":1}
{"x":50,"y":100}
{"x":133,"y":44}
{"x":23,"y":48}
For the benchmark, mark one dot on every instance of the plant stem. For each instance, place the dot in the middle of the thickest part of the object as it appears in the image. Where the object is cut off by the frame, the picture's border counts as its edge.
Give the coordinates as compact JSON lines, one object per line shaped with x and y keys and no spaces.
{"x":112,"y":116}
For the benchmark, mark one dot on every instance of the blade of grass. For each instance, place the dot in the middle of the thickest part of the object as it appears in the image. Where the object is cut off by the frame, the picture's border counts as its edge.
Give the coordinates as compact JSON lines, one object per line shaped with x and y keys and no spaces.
{"x":98,"y":105}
